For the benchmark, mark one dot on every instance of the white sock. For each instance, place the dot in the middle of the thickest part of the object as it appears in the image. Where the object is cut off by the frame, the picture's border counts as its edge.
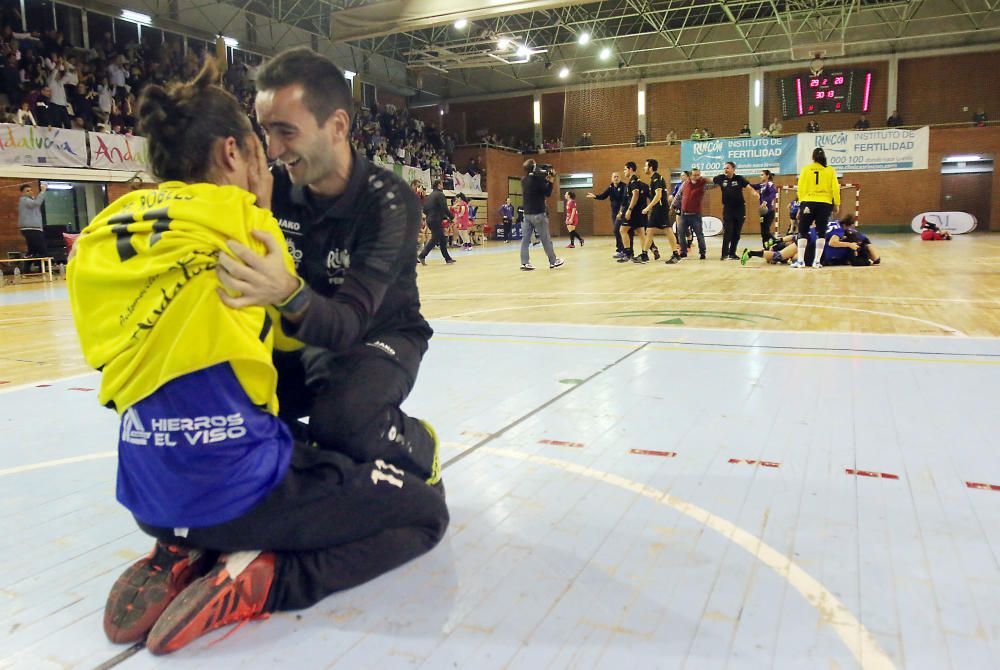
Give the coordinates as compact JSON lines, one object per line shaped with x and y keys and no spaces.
{"x":820,"y":245}
{"x":238,"y":561}
{"x":801,"y":244}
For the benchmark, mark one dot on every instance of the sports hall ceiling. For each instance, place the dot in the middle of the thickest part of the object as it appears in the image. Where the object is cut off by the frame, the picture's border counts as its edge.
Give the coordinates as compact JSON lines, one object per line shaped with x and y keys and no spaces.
{"x":645,"y":38}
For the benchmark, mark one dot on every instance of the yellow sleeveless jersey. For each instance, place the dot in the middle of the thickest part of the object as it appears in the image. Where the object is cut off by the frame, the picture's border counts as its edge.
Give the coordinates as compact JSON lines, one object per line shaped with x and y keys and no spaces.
{"x":142,"y":287}
{"x":819,"y":184}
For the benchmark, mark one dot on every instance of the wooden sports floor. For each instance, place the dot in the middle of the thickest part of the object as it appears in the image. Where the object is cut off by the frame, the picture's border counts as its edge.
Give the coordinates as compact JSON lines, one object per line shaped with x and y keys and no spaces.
{"x":698,"y":466}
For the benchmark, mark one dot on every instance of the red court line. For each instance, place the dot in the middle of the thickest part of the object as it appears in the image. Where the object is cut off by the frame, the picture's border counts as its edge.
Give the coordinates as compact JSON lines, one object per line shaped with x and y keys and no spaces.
{"x":649,"y":452}
{"x":560,"y":443}
{"x":3,"y":382}
{"x":766,"y":464}
{"x":869,"y":473}
{"x":42,"y":386}
{"x":984,"y":487}
{"x":79,"y":388}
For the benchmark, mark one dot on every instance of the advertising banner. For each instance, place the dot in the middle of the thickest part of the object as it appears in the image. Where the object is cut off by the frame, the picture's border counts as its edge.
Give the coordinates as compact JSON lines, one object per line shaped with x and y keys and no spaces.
{"x":33,"y":145}
{"x":880,"y":150}
{"x":119,"y":152}
{"x":751,"y":154}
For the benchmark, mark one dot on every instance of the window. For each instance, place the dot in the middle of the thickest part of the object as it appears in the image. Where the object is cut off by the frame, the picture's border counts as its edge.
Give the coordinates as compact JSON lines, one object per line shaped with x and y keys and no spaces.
{"x":39,"y":15}
{"x":97,"y":26}
{"x":70,"y":20}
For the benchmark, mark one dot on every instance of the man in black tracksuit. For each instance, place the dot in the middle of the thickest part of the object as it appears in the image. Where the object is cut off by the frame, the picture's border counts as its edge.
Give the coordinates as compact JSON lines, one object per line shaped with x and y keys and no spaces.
{"x":350,"y":227}
{"x":437,"y":210}
{"x":617,"y":192}
{"x":734,"y":208}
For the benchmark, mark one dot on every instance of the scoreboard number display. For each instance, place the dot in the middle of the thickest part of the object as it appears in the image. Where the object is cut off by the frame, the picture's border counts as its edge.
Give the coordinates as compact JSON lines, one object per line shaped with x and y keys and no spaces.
{"x":843,"y":91}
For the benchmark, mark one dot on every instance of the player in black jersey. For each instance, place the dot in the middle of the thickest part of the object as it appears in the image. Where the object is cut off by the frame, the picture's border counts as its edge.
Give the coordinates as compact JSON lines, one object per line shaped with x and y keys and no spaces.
{"x":656,"y":215}
{"x":632,"y":217}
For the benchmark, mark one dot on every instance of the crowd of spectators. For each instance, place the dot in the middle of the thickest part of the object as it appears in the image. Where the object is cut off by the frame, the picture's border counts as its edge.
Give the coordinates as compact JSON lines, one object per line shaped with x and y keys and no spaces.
{"x":391,"y":136}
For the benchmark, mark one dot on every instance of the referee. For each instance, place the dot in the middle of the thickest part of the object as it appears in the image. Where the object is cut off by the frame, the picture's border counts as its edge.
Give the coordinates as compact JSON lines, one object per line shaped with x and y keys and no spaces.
{"x":618,"y":193}
{"x":819,"y":199}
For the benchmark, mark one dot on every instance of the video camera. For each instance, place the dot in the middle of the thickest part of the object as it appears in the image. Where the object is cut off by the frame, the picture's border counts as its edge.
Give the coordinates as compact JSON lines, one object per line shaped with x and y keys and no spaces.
{"x":544,"y":170}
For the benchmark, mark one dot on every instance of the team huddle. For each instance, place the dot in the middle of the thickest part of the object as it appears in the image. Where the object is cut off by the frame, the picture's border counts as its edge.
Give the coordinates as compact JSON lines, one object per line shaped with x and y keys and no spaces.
{"x":639,"y":211}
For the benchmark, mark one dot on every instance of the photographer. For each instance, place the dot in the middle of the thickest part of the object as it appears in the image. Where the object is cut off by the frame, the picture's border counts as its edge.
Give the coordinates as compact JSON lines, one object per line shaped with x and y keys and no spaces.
{"x":536,"y":186}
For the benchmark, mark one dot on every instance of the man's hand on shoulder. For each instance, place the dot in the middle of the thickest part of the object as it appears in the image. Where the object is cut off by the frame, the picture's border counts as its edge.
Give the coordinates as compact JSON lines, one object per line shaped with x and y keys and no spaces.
{"x":255,"y":279}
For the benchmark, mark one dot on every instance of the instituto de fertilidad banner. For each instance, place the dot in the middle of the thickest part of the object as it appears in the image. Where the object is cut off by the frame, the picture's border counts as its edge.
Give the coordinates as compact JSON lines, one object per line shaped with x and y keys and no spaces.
{"x":34,"y":145}
{"x":751,"y":154}
{"x":869,"y":150}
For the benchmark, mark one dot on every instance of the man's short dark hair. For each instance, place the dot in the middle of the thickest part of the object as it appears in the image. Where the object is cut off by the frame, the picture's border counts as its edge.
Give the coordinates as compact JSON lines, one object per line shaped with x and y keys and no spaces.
{"x":529,"y":166}
{"x":653,"y":163}
{"x":731,"y":163}
{"x":25,"y":187}
{"x":572,"y":195}
{"x":437,"y":183}
{"x":630,"y":166}
{"x":323,"y":83}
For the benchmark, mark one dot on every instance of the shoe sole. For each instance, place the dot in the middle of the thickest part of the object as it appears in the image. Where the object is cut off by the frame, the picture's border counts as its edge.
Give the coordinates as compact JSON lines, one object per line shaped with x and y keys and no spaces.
{"x":142,"y":595}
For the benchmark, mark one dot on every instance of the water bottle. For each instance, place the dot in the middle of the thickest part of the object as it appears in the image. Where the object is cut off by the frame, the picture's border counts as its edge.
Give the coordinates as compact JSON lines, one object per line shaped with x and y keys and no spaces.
{"x":17,"y":274}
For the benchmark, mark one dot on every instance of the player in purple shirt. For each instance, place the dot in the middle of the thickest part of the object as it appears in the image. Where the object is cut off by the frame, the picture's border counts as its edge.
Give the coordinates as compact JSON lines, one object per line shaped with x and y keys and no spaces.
{"x":767,"y":193}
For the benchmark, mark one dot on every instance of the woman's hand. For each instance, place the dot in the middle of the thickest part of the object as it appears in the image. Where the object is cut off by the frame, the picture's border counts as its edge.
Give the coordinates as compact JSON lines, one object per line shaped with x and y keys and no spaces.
{"x":259,"y":179}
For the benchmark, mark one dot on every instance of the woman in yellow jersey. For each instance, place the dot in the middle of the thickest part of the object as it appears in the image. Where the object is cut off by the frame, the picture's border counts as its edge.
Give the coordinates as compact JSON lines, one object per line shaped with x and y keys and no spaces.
{"x":819,"y":198}
{"x":247,"y":521}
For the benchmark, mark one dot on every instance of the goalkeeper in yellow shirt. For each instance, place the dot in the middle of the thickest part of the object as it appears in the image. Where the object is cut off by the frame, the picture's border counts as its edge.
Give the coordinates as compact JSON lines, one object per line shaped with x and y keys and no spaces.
{"x":819,"y":199}
{"x":246,"y":521}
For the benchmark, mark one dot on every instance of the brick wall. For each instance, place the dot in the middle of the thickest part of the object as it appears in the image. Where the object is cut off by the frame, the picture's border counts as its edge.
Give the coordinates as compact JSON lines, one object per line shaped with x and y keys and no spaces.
{"x":553,"y":111}
{"x":840,"y":121}
{"x":385,"y":97}
{"x":934,"y":90}
{"x":507,"y":117}
{"x":718,"y":104}
{"x":610,"y":115}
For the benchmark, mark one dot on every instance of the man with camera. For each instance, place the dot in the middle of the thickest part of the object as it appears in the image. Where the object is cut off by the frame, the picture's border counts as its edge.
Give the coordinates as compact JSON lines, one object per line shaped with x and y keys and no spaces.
{"x":536,"y":186}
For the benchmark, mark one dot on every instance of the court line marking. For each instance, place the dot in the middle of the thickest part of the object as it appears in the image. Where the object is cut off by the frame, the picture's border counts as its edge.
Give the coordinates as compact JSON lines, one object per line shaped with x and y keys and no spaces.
{"x":947,"y":329}
{"x":33,"y":384}
{"x":595,"y":341}
{"x":872,"y":298}
{"x":43,"y":465}
{"x":832,"y":612}
{"x":714,"y":349}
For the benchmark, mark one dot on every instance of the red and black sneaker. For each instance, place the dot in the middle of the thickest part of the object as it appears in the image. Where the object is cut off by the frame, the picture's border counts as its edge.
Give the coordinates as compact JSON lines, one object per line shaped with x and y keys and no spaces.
{"x":144,"y":590}
{"x":215,"y":600}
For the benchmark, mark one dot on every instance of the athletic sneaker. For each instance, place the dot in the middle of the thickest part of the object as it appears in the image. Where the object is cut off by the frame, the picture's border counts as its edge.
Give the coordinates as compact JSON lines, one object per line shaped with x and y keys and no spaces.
{"x":744,"y":257}
{"x":527,"y":266}
{"x":215,"y":600}
{"x":147,"y":587}
{"x":625,"y":258}
{"x":451,"y":261}
{"x":797,"y":264}
{"x":436,"y":465}
{"x":423,"y":261}
{"x":701,"y":256}
{"x":553,"y":266}
{"x":817,"y":265}
{"x":619,"y":254}
{"x":641,"y":258}
{"x":656,"y":255}
{"x":581,"y":241}
{"x":571,"y":246}
{"x":674,"y":258}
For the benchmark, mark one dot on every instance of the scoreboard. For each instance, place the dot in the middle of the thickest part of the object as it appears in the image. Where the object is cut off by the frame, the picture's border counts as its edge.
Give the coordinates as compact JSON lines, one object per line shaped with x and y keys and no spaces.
{"x":843,"y":91}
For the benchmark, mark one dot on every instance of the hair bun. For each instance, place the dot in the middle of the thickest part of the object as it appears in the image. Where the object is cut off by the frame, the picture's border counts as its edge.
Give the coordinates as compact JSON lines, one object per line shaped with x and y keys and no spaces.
{"x":159,"y":114}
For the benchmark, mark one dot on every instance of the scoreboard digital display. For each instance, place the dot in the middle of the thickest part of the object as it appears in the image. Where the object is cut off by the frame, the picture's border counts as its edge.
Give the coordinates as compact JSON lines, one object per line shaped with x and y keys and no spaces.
{"x":844,"y":91}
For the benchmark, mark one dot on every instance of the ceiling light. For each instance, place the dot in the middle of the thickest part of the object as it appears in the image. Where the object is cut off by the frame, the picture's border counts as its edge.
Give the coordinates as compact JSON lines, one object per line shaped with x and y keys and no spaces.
{"x":349,"y":76}
{"x":503,"y":43}
{"x":563,"y":72}
{"x":961,"y":159}
{"x":605,"y":53}
{"x":524,"y":51}
{"x":461,"y":23}
{"x":584,"y":38}
{"x":58,"y":186}
{"x":129,"y":15}
{"x":231,"y":42}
